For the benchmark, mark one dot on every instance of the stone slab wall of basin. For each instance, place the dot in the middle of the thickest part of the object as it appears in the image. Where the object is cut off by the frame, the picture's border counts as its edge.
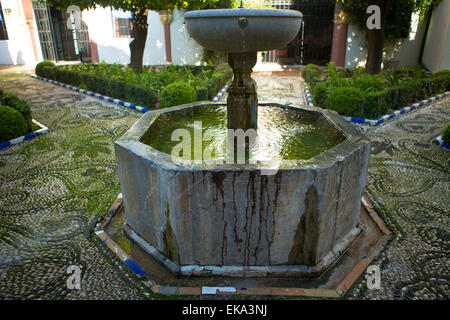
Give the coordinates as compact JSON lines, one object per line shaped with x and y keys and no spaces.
{"x":233,"y":220}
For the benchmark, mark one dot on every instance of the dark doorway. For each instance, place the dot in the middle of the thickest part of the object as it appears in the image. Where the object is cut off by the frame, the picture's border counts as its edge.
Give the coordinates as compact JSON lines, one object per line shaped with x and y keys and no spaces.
{"x":313,"y":42}
{"x":58,"y":42}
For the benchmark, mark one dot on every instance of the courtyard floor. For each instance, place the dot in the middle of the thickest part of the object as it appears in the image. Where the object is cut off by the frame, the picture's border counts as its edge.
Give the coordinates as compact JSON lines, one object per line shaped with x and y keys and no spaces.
{"x":54,"y":189}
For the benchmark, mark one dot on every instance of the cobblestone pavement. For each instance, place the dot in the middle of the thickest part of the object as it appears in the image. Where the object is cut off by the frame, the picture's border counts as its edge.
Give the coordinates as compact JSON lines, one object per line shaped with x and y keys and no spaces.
{"x":53,"y":188}
{"x":408,"y":184}
{"x":280,"y":89}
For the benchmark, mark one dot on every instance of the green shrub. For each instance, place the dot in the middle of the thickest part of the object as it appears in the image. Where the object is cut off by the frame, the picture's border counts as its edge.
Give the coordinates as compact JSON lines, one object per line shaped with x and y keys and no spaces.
{"x":89,"y":81}
{"x":344,"y":82}
{"x":65,"y":76}
{"x":120,"y":82}
{"x":12,"y":124}
{"x":415,"y":73}
{"x":311,"y":74}
{"x":446,"y":134}
{"x":346,"y":101}
{"x":145,"y":97}
{"x":332,"y":75}
{"x":117,"y":89}
{"x":308,"y":67}
{"x":176,"y":94}
{"x":373,"y":105}
{"x":202,"y":94}
{"x":441,"y":84}
{"x":211,"y":86}
{"x":39,"y":67}
{"x":103,"y":86}
{"x":19,"y":105}
{"x":441,"y":73}
{"x":368,"y":81}
{"x":319,"y":94}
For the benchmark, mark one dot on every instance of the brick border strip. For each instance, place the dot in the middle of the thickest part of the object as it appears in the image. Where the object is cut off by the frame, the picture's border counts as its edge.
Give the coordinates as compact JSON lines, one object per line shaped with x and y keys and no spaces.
{"x":26,"y":137}
{"x":442,"y":143}
{"x":221,"y":93}
{"x":386,"y":117}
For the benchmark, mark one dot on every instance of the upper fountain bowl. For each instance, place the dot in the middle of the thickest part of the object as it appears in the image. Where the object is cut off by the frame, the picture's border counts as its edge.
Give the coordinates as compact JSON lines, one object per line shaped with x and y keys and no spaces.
{"x":243,"y":30}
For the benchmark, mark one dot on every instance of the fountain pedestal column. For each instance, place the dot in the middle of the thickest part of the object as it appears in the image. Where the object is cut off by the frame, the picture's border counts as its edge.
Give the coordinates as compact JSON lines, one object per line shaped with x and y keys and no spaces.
{"x":242,"y":103}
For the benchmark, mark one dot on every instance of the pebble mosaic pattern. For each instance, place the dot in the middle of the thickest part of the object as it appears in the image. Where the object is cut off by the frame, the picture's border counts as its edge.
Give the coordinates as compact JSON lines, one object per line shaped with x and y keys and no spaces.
{"x":408,"y":184}
{"x":53,"y":189}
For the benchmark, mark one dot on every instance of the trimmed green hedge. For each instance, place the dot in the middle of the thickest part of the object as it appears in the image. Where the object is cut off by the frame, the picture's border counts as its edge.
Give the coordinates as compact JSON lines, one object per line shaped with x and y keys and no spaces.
{"x":446,"y":134}
{"x":177,"y":93}
{"x":345,"y":100}
{"x":382,"y":93}
{"x":108,"y":87}
{"x":12,"y":124}
{"x":19,"y":105}
{"x":118,"y":82}
{"x":39,"y":69}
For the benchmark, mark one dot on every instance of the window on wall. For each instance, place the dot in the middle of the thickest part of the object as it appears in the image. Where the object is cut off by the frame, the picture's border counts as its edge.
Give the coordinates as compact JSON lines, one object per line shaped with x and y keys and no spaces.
{"x":123,"y":24}
{"x":3,"y":32}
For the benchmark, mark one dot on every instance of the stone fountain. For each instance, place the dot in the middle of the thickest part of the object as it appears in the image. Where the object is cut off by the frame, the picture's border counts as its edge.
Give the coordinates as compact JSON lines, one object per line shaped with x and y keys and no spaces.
{"x":198,"y":219}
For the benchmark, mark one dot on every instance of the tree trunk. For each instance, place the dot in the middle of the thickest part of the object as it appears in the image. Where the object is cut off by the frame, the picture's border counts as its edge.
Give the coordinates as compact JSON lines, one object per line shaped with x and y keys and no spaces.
{"x":375,"y":40}
{"x":375,"y":44}
{"x":137,"y":46}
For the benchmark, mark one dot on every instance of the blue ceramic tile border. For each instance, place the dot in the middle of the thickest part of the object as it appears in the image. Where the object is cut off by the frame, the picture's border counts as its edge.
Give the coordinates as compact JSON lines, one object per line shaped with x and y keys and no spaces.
{"x":221,"y":93}
{"x":442,"y":143}
{"x":26,"y":137}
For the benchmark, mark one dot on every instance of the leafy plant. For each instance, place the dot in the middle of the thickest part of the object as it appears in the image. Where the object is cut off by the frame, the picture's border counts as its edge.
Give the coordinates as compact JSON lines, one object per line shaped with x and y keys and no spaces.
{"x":320,"y":93}
{"x":310,"y":73}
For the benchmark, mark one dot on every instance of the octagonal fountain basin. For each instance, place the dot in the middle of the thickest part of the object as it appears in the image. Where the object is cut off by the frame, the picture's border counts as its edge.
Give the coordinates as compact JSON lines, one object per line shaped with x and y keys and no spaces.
{"x":243,"y":30}
{"x":208,"y":217}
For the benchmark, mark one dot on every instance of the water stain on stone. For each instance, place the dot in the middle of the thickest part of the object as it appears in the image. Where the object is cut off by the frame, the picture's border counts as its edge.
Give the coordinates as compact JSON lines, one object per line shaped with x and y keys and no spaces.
{"x":303,"y":250}
{"x":170,"y":240}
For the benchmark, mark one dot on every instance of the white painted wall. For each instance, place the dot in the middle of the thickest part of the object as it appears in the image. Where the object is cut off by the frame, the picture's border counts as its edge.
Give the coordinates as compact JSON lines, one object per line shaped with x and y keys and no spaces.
{"x":18,"y":49}
{"x":185,"y":50}
{"x":436,"y":55}
{"x":101,"y":30}
{"x":116,"y":50}
{"x":406,"y":51}
{"x":155,"y":49}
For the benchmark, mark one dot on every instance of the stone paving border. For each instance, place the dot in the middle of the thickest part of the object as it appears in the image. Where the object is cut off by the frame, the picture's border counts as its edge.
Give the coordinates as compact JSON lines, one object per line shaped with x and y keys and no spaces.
{"x":116,"y":101}
{"x":26,"y":137}
{"x":338,"y":292}
{"x":442,"y":143}
{"x":386,"y":117}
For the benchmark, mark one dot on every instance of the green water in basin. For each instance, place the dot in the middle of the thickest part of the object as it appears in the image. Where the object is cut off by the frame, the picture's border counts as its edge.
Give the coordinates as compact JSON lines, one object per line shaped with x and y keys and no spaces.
{"x":282,"y":134}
